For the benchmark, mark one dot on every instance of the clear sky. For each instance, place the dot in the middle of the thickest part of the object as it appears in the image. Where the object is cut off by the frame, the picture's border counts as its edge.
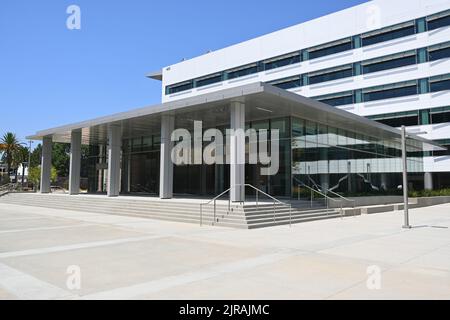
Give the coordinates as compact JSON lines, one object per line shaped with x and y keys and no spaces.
{"x":50,"y":75}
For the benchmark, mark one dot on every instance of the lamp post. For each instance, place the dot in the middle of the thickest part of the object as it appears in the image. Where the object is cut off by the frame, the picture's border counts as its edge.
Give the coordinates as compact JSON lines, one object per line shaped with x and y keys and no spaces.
{"x":29,"y":165}
{"x":405,"y":180}
{"x":405,"y":176}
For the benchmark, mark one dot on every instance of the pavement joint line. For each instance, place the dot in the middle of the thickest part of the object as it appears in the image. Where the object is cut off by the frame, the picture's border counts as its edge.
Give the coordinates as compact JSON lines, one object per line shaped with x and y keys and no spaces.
{"x":161,"y":284}
{"x":85,"y":245}
{"x":46,"y":228}
{"x":27,"y":287}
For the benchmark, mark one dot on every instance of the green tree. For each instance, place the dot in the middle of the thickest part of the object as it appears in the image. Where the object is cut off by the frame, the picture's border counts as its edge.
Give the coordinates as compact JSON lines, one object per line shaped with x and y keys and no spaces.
{"x":20,"y":157}
{"x":8,"y":146}
{"x":34,"y":175}
{"x":61,"y":158}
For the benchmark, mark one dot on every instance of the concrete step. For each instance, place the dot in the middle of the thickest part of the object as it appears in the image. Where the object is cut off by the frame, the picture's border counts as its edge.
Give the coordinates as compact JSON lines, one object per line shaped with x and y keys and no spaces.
{"x":240,"y":216}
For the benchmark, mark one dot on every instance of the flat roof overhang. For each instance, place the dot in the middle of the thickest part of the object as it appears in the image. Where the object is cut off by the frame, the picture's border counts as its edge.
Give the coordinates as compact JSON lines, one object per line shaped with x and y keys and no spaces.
{"x":262,"y":101}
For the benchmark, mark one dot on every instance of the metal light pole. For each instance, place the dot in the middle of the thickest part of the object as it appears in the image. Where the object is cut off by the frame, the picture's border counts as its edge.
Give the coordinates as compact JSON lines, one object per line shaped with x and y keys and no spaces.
{"x":29,"y":165}
{"x":405,"y":179}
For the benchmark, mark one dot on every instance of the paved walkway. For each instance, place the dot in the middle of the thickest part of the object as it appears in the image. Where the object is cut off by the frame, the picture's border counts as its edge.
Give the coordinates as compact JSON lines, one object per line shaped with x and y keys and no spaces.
{"x":42,"y":252}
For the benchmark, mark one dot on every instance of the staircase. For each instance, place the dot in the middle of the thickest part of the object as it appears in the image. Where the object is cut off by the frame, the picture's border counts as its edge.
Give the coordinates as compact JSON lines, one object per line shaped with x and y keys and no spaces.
{"x":245,"y":216}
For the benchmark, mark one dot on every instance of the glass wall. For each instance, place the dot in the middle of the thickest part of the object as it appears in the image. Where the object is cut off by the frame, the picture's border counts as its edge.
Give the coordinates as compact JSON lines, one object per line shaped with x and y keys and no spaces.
{"x":320,"y":156}
{"x":327,"y":158}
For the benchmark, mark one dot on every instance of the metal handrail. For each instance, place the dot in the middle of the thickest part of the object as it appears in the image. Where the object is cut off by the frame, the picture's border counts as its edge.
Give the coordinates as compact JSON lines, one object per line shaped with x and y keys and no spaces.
{"x":344,"y":198}
{"x":327,"y":198}
{"x":214,"y":200}
{"x":274,"y":201}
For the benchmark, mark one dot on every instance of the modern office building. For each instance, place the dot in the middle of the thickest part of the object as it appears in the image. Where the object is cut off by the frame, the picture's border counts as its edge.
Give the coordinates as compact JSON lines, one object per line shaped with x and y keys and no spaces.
{"x":320,"y":85}
{"x":385,"y":60}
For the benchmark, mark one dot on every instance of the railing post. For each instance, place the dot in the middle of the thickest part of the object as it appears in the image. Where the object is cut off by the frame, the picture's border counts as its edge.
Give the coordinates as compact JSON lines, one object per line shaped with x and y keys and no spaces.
{"x":298,"y":192}
{"x":274,"y":211}
{"x":290,"y":216}
{"x":214,"y":212}
{"x":257,"y":202}
{"x":311,"y":198}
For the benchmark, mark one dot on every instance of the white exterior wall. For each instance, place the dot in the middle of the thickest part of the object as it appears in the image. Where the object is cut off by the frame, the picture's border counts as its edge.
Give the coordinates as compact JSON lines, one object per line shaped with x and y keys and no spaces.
{"x":350,"y":22}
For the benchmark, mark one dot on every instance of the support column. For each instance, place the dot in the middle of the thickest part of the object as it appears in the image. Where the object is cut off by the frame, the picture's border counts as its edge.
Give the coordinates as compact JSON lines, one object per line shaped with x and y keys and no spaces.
{"x":75,"y":163}
{"x":237,"y":152}
{"x":114,"y":146}
{"x":166,"y":164}
{"x":428,"y":181}
{"x":46,"y":164}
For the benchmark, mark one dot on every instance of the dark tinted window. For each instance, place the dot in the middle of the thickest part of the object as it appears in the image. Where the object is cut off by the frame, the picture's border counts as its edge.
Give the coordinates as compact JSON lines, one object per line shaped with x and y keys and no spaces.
{"x":440,"y":85}
{"x":179,"y":87}
{"x":442,"y":117}
{"x":242,"y":72}
{"x":331,"y":76}
{"x":330,"y":50}
{"x":337,"y":101}
{"x":439,"y":23}
{"x":282,"y":62}
{"x":390,"y":35}
{"x":210,"y":80}
{"x":390,"y":93}
{"x":288,"y":84}
{"x":390,"y":64}
{"x":402,"y":121}
{"x":440,"y":54}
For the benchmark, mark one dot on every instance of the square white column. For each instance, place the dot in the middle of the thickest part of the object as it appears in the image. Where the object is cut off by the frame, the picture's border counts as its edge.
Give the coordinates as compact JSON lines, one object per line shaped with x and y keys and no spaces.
{"x":46,"y":164}
{"x":75,"y":162}
{"x":166,"y":164}
{"x":114,"y":149}
{"x":237,"y":151}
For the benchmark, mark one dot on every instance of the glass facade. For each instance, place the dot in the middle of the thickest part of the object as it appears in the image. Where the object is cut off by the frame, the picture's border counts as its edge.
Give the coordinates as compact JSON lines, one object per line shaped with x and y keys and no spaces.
{"x":311,"y":153}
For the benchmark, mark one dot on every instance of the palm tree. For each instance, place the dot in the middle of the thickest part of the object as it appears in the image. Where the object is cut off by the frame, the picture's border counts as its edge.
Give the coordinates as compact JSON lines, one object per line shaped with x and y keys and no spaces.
{"x":9,"y":145}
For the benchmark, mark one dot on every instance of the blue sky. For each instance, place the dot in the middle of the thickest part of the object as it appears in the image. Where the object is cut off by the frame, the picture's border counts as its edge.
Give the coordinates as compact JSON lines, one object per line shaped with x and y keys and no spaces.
{"x":50,"y":75}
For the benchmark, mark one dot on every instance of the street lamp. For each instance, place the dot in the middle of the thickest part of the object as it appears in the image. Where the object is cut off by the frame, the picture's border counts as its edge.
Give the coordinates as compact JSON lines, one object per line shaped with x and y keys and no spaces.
{"x":405,"y":176}
{"x":29,"y":165}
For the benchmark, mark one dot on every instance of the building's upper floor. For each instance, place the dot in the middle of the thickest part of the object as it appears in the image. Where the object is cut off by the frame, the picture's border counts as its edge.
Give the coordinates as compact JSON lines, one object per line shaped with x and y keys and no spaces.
{"x":374,"y":36}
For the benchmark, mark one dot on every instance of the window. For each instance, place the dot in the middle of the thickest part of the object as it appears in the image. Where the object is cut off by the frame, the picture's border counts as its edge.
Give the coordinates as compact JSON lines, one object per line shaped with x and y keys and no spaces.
{"x":398,"y":119}
{"x":282,"y":61}
{"x":440,"y":83}
{"x":208,"y":80}
{"x":446,"y":144}
{"x":390,"y":91}
{"x":242,"y":71}
{"x":439,"y":20}
{"x":389,"y":62}
{"x":180,"y":87}
{"x":331,"y":74}
{"x":338,"y":99}
{"x":440,"y":115}
{"x":390,"y":33}
{"x":440,"y":51}
{"x":287,"y":83}
{"x":330,"y":48}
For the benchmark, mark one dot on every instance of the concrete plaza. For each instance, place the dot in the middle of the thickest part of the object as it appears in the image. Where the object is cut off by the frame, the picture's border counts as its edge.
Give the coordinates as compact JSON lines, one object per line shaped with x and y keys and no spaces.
{"x":132,"y":258}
